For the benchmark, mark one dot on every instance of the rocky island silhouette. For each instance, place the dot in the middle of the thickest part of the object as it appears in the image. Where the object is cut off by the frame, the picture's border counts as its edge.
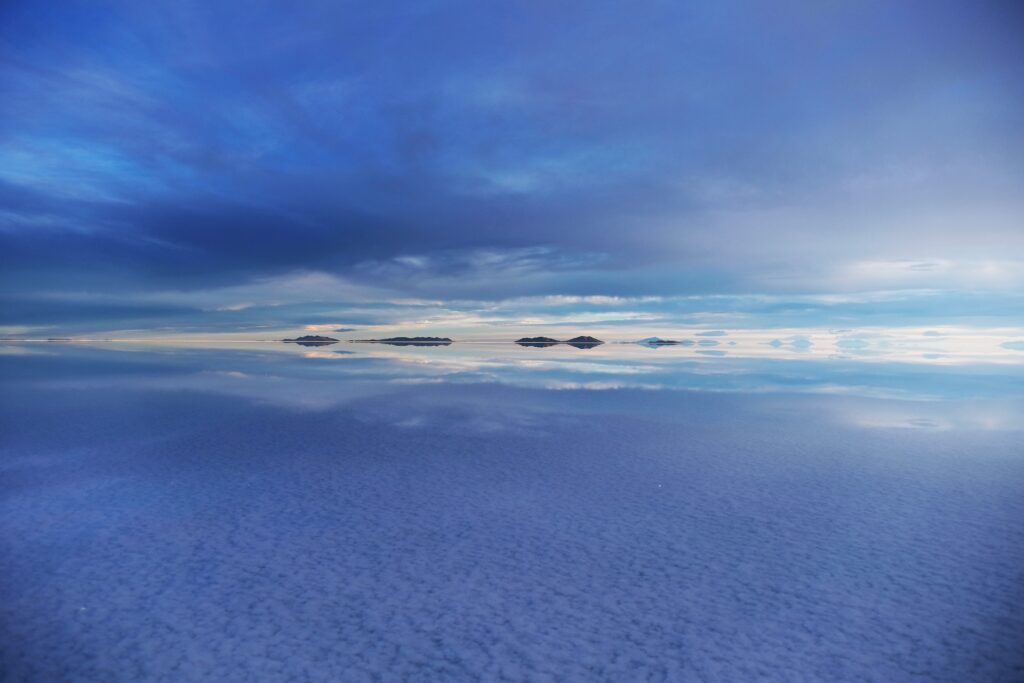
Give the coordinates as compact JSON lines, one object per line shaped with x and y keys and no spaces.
{"x":581,"y":342}
{"x":655,"y":342}
{"x":311,"y":340}
{"x":407,"y":341}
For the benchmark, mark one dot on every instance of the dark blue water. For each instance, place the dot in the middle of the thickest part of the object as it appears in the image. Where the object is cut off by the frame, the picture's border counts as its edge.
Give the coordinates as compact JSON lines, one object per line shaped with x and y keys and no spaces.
{"x":349,"y":513}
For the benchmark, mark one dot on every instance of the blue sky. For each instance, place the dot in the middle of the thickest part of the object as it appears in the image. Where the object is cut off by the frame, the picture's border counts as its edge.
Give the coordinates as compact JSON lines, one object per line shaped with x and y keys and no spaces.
{"x":480,"y":167}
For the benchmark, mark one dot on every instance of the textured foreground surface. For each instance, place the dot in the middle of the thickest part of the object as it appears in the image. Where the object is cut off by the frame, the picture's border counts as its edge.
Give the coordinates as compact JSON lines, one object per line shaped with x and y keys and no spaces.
{"x":159,"y":522}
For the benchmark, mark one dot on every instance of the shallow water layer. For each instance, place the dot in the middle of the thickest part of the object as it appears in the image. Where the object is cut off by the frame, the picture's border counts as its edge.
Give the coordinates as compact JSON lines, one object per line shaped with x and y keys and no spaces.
{"x":267,"y":512}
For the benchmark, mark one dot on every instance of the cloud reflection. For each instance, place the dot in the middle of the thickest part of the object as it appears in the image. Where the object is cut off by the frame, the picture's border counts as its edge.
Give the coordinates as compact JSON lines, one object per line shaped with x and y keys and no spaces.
{"x":310,"y":379}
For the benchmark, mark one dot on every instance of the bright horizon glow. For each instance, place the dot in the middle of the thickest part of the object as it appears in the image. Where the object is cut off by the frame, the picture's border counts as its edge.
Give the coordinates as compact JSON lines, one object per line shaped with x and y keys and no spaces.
{"x":949,"y":345}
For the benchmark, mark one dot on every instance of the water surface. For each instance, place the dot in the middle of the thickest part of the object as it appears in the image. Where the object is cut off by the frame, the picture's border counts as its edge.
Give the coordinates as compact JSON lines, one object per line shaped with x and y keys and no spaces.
{"x":353,"y":512}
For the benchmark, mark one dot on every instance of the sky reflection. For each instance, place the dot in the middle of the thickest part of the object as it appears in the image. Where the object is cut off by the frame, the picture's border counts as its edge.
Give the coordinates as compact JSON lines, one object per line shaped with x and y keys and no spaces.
{"x":324,"y":376}
{"x":394,"y":488}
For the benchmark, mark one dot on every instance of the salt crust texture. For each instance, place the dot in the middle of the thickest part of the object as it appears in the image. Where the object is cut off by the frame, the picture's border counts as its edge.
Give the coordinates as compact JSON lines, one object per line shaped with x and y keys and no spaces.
{"x":480,"y":533}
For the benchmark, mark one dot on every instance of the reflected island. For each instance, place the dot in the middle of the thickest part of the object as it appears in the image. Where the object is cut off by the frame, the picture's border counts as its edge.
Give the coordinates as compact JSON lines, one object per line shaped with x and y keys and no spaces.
{"x":311,"y":340}
{"x":581,"y":342}
{"x":407,"y":341}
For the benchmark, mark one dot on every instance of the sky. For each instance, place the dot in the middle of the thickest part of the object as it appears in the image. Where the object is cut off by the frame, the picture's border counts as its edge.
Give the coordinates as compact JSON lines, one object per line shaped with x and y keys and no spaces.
{"x":490,"y":169}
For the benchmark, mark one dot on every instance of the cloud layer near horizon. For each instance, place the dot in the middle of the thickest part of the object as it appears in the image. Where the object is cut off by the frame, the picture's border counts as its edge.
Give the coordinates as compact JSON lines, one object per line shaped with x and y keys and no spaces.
{"x":184,"y":166}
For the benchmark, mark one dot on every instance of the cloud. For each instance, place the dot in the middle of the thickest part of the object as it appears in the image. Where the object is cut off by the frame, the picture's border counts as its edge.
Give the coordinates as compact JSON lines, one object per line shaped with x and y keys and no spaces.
{"x":317,"y":157}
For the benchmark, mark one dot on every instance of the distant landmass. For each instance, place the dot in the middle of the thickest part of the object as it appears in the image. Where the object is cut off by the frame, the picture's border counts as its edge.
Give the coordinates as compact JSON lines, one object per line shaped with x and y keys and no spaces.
{"x":537,"y":341}
{"x":407,"y":341}
{"x":311,"y":340}
{"x":582,"y":342}
{"x":657,"y":341}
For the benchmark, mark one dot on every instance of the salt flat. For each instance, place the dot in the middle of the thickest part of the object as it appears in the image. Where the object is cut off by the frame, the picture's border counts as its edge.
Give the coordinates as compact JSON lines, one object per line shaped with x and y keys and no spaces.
{"x":259,"y":515}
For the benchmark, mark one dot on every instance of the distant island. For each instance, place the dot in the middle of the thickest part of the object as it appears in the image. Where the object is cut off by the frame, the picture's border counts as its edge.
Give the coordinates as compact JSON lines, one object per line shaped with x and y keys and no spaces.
{"x":657,"y":342}
{"x":537,"y":341}
{"x":407,"y":341}
{"x":654,"y":342}
{"x":311,"y":340}
{"x":582,"y":342}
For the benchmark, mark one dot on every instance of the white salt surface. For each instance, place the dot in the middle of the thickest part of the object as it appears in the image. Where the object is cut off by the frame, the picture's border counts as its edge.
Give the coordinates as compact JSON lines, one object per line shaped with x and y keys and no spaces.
{"x":446,"y":533}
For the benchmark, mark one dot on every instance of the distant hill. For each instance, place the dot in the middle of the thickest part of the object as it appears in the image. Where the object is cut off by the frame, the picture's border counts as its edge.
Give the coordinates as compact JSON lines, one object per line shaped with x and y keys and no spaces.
{"x":582,"y":342}
{"x":312,"y":340}
{"x":657,"y":341}
{"x":407,"y":341}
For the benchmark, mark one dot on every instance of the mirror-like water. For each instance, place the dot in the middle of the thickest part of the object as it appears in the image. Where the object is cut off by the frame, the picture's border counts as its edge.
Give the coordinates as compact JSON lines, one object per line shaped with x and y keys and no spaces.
{"x":363,"y":512}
